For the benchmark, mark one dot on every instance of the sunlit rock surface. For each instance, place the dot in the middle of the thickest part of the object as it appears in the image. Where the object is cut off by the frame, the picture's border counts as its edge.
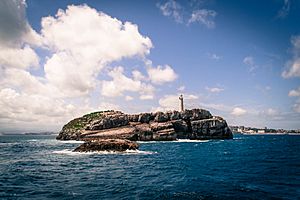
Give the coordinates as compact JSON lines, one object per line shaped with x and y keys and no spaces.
{"x":159,"y":126}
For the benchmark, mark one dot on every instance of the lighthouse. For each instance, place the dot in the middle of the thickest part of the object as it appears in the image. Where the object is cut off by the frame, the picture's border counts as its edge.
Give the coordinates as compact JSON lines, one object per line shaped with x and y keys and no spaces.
{"x":181,"y":102}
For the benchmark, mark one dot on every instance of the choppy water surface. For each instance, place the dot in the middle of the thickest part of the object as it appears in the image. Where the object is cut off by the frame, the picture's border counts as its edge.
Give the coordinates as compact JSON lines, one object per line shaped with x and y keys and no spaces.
{"x":247,"y":167}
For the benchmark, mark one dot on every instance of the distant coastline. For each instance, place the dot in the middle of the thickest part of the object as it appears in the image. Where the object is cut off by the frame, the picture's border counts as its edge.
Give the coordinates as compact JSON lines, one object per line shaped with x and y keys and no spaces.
{"x":262,"y":131}
{"x":31,"y":133}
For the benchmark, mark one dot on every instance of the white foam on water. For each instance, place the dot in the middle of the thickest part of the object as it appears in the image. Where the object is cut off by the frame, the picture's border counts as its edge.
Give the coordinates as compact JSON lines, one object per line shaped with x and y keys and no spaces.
{"x":8,"y":143}
{"x":146,"y":142}
{"x":127,"y":152}
{"x":3,"y":144}
{"x":71,"y":141}
{"x":178,"y":140}
{"x":140,"y":152}
{"x":187,"y":140}
{"x":70,"y":152}
{"x":48,"y":142}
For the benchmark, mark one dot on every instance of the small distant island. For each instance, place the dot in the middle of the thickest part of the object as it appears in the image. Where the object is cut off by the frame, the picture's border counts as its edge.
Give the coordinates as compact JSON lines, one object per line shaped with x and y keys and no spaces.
{"x":116,"y":131}
{"x":98,"y":127}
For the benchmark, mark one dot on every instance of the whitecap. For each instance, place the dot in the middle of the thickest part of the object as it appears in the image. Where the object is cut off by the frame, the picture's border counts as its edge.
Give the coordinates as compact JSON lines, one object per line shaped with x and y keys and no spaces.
{"x":70,"y":152}
{"x":71,"y":141}
{"x":8,"y":143}
{"x":127,"y":152}
{"x":146,"y":142}
{"x":178,"y":140}
{"x":139,"y":152}
{"x":187,"y":140}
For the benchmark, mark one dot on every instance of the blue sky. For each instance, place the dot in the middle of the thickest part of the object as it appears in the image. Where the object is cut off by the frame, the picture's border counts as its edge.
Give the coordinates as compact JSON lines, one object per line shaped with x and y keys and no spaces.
{"x":238,"y":59}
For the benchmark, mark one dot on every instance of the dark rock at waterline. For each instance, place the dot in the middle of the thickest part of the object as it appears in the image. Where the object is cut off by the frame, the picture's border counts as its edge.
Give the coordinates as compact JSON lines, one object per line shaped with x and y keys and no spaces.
{"x":107,"y":145}
{"x":172,"y":125}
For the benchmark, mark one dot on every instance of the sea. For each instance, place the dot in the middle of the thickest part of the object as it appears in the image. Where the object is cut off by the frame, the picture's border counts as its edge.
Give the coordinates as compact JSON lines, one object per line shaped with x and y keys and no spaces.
{"x":246,"y":167}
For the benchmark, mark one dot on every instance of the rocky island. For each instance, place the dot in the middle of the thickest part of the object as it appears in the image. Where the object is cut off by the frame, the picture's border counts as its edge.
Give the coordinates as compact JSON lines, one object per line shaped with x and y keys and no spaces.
{"x":114,"y":130}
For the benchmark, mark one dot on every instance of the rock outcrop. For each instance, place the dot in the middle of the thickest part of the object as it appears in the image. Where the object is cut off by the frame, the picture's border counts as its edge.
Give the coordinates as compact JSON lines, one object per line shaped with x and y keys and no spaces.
{"x":107,"y":145}
{"x":189,"y":124}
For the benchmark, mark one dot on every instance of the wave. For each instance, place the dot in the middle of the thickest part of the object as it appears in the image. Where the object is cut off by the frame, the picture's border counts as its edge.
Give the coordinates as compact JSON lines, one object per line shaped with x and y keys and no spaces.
{"x":8,"y":143}
{"x":178,"y":140}
{"x":140,"y":152}
{"x":70,"y":152}
{"x":33,"y":140}
{"x":187,"y":140}
{"x":71,"y":141}
{"x":127,"y":152}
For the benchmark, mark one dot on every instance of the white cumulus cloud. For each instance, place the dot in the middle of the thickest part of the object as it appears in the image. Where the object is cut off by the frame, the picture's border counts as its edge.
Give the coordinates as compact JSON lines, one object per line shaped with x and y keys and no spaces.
{"x":128,"y":98}
{"x":78,"y":58}
{"x":23,"y":57}
{"x":237,"y":111}
{"x":160,"y":75}
{"x":80,"y":42}
{"x":25,"y":111}
{"x":137,"y":75}
{"x":120,"y":83}
{"x":15,"y":29}
{"x":24,"y":81}
{"x":295,"y":93}
{"x":16,"y":36}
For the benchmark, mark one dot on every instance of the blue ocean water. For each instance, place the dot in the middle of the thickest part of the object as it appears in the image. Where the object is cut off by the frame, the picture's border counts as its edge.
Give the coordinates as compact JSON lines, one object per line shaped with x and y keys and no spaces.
{"x":247,"y":167}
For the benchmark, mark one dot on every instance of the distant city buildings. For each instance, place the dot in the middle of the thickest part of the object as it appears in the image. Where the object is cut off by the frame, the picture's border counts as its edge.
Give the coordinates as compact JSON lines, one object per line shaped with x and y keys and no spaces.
{"x":265,"y":130}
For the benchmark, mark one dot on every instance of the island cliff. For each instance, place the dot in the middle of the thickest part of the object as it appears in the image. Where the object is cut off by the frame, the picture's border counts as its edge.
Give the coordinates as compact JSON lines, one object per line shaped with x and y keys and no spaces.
{"x":160,"y":126}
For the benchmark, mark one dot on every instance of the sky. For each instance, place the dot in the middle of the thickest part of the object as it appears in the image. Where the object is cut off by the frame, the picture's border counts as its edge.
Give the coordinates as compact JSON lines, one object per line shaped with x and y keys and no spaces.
{"x":60,"y":59}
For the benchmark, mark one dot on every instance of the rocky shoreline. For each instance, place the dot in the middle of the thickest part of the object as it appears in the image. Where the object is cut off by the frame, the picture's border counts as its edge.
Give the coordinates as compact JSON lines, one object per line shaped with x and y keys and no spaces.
{"x":160,"y":126}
